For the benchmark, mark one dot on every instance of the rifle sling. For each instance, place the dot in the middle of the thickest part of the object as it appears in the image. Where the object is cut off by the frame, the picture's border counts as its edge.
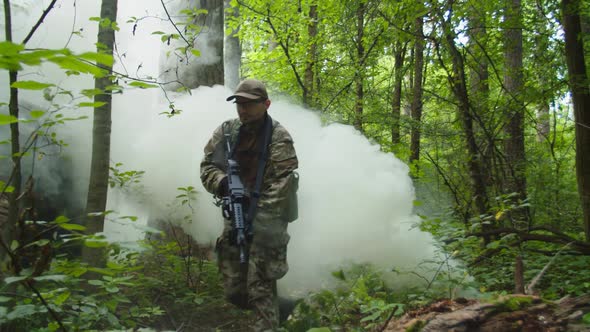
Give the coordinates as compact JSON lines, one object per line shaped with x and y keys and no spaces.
{"x":263,"y":148}
{"x":264,"y":137}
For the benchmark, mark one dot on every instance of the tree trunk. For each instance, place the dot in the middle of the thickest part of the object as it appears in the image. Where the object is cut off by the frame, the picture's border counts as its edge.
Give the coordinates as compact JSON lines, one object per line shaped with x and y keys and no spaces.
{"x":541,"y":39}
{"x":479,"y":89}
{"x":417,"y":92}
{"x":396,"y":104}
{"x":209,"y":72}
{"x":232,"y":52}
{"x":312,"y":31}
{"x":513,"y":83}
{"x":360,"y":53}
{"x":9,"y":233}
{"x":193,"y":71}
{"x":101,"y":140}
{"x":543,"y":121}
{"x":458,"y":84}
{"x":578,"y":79}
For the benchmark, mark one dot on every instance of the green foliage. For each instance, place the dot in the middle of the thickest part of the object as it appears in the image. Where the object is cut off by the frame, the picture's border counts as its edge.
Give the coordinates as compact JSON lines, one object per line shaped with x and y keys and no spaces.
{"x":119,"y":178}
{"x":492,"y":266}
{"x":361,"y":301}
{"x":134,"y":290}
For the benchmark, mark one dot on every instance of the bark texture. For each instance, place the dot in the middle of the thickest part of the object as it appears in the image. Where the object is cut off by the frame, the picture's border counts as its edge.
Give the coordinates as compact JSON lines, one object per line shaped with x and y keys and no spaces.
{"x":101,"y":140}
{"x":578,"y":79}
{"x":417,"y":92}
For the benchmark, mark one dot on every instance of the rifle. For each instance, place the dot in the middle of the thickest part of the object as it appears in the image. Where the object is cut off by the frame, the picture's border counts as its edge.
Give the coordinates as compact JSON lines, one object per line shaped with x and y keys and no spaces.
{"x":234,"y":203}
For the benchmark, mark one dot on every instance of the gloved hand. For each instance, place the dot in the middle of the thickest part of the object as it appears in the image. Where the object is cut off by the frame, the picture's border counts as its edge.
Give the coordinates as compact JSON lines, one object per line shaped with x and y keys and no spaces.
{"x":223,"y":188}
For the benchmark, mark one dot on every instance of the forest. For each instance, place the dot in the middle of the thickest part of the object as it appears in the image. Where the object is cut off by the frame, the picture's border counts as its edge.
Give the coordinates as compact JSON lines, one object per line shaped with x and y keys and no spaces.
{"x":461,"y":128}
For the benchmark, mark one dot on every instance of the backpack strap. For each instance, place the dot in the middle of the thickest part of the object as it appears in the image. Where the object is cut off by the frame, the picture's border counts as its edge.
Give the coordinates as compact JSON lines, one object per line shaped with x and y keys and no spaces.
{"x":263,"y":142}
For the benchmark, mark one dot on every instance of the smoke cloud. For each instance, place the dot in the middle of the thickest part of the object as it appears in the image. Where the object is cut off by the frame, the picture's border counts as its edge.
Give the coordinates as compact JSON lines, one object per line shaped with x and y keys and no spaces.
{"x":355,"y":201}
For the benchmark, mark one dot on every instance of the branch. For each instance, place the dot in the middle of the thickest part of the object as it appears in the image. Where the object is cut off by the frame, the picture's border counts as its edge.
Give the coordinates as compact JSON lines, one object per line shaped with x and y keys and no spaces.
{"x":36,"y":26}
{"x":174,"y":25}
{"x":530,"y":287}
{"x":555,"y":238}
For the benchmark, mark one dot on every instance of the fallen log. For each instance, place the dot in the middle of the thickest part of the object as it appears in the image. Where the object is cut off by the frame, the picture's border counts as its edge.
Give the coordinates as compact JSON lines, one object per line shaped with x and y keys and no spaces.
{"x":506,"y":313}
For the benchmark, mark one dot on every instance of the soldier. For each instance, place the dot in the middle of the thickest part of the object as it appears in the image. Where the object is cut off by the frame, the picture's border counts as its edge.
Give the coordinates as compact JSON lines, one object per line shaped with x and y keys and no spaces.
{"x":252,"y":285}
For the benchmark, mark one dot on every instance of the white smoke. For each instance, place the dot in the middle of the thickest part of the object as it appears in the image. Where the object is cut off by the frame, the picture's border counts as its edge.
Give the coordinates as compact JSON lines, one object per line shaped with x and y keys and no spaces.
{"x":355,"y":201}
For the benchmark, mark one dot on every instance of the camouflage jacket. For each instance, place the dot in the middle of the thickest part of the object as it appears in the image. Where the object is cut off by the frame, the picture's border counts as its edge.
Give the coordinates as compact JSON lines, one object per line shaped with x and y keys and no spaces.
{"x":270,"y":221}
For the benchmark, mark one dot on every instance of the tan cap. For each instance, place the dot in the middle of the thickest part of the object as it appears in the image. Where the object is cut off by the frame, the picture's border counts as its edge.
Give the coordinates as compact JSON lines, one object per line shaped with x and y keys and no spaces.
{"x":251,"y":89}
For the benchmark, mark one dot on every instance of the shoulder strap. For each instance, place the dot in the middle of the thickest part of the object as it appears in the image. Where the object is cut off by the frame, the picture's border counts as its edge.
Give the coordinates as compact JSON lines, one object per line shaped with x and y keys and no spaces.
{"x":263,"y":148}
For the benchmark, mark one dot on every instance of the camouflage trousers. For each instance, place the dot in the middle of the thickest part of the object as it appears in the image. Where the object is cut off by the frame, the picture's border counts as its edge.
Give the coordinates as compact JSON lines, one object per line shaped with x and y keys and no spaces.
{"x":253,"y":285}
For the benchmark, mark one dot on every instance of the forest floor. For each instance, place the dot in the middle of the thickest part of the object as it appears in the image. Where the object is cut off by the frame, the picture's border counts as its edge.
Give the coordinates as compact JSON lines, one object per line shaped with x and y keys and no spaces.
{"x":223,"y":318}
{"x":508,"y":313}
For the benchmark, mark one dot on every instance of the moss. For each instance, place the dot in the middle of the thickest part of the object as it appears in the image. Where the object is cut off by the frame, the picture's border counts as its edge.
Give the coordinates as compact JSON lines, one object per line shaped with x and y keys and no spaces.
{"x":416,"y":326}
{"x":512,"y":303}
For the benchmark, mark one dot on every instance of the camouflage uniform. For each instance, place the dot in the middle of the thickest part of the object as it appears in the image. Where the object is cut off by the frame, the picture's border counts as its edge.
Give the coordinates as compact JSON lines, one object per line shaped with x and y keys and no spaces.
{"x":253,"y":285}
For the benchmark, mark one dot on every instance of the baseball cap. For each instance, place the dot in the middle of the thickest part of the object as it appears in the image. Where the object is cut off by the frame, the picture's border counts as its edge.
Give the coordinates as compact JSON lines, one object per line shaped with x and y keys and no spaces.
{"x":251,"y":89}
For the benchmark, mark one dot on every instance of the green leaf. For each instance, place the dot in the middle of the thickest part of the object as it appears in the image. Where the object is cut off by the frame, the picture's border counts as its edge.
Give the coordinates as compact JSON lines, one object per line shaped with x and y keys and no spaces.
{"x":105,"y":272}
{"x":22,"y":311}
{"x":142,"y":85}
{"x":91,"y":92}
{"x":113,"y":289}
{"x":39,"y":243}
{"x":101,"y":58}
{"x":7,"y":119}
{"x":61,"y":220}
{"x":90,"y":104}
{"x":493,"y":245}
{"x":61,"y":298}
{"x":319,"y":329}
{"x":52,"y":277}
{"x":196,"y":52}
{"x":372,"y":316}
{"x":31,"y":85}
{"x":4,"y":299}
{"x":5,"y":188}
{"x":586,"y":319}
{"x":11,"y":280}
{"x":9,"y":48}
{"x":93,"y":243}
{"x":339,"y":275}
{"x":35,"y":114}
{"x":95,"y":282}
{"x":73,"y":227}
{"x":73,"y":63}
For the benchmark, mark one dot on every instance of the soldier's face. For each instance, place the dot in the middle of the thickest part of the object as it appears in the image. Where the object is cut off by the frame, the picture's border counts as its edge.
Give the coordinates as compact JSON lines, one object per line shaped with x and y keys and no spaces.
{"x":251,"y":110}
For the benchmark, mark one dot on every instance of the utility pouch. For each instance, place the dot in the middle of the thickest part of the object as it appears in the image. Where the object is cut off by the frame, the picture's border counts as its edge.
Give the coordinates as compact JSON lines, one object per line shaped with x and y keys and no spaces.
{"x":292,"y":206}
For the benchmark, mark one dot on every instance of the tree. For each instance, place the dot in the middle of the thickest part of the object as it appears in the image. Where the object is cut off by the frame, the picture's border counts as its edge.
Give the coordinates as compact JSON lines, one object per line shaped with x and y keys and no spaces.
{"x":195,"y":54}
{"x":457,"y":79}
{"x":417,"y":90}
{"x":578,"y":79}
{"x":312,"y":54}
{"x":232,"y":51}
{"x":10,"y":232}
{"x":101,"y":134}
{"x":513,"y":83}
{"x":209,"y":71}
{"x":396,"y":102}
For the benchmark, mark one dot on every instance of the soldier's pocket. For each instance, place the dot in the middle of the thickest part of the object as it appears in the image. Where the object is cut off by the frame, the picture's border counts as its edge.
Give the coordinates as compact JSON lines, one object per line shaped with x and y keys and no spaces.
{"x":276,"y":263}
